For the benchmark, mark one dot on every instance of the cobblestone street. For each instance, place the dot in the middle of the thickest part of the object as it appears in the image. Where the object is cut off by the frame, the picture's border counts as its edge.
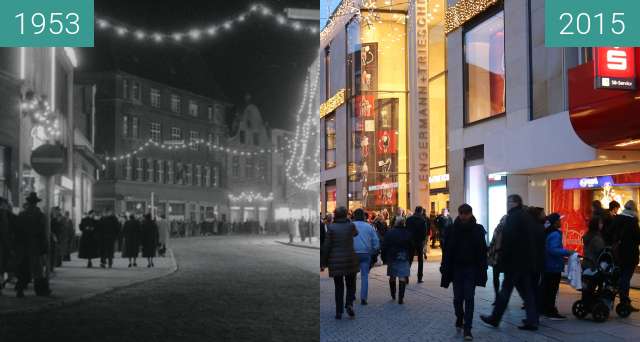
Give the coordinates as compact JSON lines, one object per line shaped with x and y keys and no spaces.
{"x":427,"y":315}
{"x":226,"y":289}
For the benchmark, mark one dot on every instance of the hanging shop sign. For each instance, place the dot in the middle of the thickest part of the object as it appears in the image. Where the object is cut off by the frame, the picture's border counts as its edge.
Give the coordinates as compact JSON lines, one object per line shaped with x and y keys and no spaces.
{"x":331,"y":104}
{"x":615,"y":68}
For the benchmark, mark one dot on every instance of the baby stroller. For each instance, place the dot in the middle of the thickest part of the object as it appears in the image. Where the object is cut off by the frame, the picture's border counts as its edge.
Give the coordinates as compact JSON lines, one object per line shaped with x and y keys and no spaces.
{"x":600,"y":287}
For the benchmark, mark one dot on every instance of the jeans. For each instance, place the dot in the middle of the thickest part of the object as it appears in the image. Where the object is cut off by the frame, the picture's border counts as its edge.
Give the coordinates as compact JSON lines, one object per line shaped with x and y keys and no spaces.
{"x":464,"y":288}
{"x":418,"y":250}
{"x":625,"y":282}
{"x":550,"y":285}
{"x":365,"y":262}
{"x":340,"y":281}
{"x":523,"y":282}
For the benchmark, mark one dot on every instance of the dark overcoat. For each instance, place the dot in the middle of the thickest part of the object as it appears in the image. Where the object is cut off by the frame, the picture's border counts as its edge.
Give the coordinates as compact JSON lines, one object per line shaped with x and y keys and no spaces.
{"x":337,"y":251}
{"x":150,"y":238}
{"x":131,"y":234}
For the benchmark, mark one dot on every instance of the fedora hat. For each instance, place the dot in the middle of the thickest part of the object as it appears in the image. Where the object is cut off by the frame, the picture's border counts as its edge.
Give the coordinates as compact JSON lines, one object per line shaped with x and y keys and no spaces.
{"x":33,"y":198}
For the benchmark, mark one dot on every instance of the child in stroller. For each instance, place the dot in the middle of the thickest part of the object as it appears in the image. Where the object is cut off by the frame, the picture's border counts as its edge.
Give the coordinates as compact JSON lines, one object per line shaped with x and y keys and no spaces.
{"x":600,"y":287}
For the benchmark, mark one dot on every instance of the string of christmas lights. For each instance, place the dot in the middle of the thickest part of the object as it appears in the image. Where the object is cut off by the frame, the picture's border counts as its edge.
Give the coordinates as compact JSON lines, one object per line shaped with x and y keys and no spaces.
{"x":45,"y":118}
{"x":197,"y":34}
{"x":182,"y":145}
{"x":250,"y":197}
{"x":305,"y":146}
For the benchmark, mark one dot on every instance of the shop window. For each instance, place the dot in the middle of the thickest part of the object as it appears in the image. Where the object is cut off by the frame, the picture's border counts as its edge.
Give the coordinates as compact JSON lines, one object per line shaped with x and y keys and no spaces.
{"x":485,"y":69}
{"x":330,"y":141}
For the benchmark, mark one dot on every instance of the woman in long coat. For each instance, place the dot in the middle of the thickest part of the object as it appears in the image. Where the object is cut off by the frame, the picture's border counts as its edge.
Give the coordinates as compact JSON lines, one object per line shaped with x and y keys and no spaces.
{"x":396,"y":250}
{"x":149,"y":239}
{"x":89,"y":247}
{"x":131,"y":235}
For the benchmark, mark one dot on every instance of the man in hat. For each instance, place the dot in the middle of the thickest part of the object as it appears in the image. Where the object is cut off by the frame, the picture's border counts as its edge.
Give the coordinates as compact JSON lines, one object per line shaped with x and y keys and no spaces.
{"x":31,"y":248}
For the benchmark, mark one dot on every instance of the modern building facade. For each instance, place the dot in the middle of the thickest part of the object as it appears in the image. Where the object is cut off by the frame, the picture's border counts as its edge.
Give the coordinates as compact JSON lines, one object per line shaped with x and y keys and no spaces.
{"x":383,"y":106}
{"x":526,"y":119}
{"x":161,"y":147}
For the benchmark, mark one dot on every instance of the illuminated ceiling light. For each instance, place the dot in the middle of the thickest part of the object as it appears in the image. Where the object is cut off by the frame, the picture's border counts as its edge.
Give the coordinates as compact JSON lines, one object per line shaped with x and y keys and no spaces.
{"x":628,"y":143}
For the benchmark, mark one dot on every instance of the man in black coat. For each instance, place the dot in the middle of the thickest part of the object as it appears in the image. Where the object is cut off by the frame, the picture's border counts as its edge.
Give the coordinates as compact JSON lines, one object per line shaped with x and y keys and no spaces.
{"x":464,"y":262}
{"x":626,"y":239}
{"x":521,"y":260}
{"x":419,"y":227}
{"x":108,"y":232}
{"x":31,"y":248}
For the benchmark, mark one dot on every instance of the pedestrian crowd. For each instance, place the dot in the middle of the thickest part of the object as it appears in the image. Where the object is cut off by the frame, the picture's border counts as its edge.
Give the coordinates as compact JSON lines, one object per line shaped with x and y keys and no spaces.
{"x":526,"y":249}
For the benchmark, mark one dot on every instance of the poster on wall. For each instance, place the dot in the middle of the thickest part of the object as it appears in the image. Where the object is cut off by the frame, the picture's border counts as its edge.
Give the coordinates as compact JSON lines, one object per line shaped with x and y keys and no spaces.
{"x":365,"y":106}
{"x":369,"y":67}
{"x":387,"y":142}
{"x":387,"y":113}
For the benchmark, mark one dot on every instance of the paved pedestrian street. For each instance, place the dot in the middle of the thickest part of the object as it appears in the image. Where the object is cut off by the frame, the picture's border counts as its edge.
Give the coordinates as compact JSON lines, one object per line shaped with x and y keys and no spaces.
{"x":427,"y":315}
{"x":226,"y":288}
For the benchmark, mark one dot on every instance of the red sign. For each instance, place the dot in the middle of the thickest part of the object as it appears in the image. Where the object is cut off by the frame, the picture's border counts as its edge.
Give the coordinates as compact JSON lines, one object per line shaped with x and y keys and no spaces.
{"x":387,"y":141}
{"x":615,"y":68}
{"x":365,"y":106}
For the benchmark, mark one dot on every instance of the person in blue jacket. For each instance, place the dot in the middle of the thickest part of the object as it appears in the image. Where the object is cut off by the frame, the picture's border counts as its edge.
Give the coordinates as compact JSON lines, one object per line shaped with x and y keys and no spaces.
{"x":365,"y":244}
{"x":553,"y":266}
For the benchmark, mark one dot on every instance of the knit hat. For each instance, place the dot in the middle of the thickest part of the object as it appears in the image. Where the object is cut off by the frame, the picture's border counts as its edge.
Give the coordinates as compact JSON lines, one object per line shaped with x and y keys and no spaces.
{"x":552,"y":219}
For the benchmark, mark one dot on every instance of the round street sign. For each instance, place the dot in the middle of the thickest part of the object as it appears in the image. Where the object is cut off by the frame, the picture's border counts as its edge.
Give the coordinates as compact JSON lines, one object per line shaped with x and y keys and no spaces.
{"x":48,"y":160}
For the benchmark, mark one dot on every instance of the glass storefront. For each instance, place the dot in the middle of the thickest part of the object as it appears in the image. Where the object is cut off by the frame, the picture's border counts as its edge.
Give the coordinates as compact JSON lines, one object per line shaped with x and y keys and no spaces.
{"x":572,"y":198}
{"x":377,"y":107}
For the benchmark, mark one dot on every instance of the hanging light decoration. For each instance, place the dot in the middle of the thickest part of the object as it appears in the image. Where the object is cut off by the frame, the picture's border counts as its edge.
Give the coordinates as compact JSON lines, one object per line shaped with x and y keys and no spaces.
{"x":44,"y":118}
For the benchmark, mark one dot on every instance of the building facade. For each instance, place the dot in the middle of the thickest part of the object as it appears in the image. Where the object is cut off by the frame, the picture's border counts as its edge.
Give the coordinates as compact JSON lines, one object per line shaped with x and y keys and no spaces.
{"x":383,"y":106}
{"x":525,"y":119}
{"x":161,"y":147}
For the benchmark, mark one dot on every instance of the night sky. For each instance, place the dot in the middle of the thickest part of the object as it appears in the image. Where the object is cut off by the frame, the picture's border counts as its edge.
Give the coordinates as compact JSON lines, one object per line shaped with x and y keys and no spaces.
{"x":256,"y":57}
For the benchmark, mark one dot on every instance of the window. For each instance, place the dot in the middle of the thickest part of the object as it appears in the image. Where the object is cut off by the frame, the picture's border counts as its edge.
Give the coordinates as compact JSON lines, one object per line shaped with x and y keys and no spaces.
{"x":249,"y":168}
{"x":193,"y":108}
{"x":256,"y":139}
{"x":235,"y":166}
{"x":207,"y":176}
{"x":155,"y":97}
{"x":160,"y":171}
{"x":175,"y":103}
{"x":484,"y":69}
{"x":135,"y":89}
{"x":150,"y":170}
{"x":263,"y":174}
{"x":176,"y":134}
{"x":327,"y":72}
{"x":179,"y":173}
{"x":194,"y":139}
{"x":198,"y":175}
{"x":216,"y":176}
{"x":242,"y":137}
{"x":189,"y":174}
{"x":139,"y":169}
{"x":125,"y":126}
{"x":135,"y":124}
{"x":128,"y":169}
{"x":156,"y":132}
{"x":170,"y":173}
{"x":210,"y":113}
{"x":125,"y":89}
{"x":330,"y":141}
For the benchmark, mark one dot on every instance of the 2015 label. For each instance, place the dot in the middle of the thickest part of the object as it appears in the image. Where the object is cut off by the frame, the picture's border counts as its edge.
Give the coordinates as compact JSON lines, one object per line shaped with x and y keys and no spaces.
{"x":582,"y":23}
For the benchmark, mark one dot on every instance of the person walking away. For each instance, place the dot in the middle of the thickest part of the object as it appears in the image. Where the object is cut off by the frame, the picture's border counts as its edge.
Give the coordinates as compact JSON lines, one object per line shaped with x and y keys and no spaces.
{"x":520,"y":261}
{"x":366,"y":245}
{"x":89,"y":243}
{"x":625,"y":247}
{"x":419,"y":228}
{"x":493,"y":256}
{"x":554,"y":265}
{"x":396,"y":251}
{"x":293,"y":229}
{"x":5,"y":245}
{"x":109,"y":230}
{"x":131,"y":236}
{"x":149,"y":239}
{"x":31,"y":248}
{"x":339,"y":256}
{"x":464,"y":263}
{"x":57,"y":228}
{"x":609,"y":217}
{"x":68,"y":236}
{"x":163,"y":234}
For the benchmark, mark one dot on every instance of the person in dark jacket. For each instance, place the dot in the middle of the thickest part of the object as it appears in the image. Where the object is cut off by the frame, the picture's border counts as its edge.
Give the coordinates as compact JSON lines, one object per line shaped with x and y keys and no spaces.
{"x":521,"y":259}
{"x":57,"y":232}
{"x":339,"y":256}
{"x":554,"y":265}
{"x":89,"y":243}
{"x":419,"y":228}
{"x":5,"y":244}
{"x":131,"y":235}
{"x":149,"y":239}
{"x":67,"y":238}
{"x":608,"y":217}
{"x":464,"y":263}
{"x":494,"y":256}
{"x":396,"y":251}
{"x":31,"y":248}
{"x":108,"y":231}
{"x":625,"y":245}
